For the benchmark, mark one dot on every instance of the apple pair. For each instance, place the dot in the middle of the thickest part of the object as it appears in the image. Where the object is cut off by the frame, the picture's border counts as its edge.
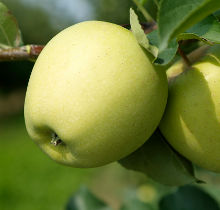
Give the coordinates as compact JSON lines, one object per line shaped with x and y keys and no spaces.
{"x":94,"y":97}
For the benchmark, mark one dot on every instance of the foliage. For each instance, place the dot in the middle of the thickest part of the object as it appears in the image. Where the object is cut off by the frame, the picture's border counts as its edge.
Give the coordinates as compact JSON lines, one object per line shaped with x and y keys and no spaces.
{"x":184,"y":198}
{"x":10,"y":35}
{"x":156,"y":156}
{"x":85,"y":200}
{"x":188,"y":198}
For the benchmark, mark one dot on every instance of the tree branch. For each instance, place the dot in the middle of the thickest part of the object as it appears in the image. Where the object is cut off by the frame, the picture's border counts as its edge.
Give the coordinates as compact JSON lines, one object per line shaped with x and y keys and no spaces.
{"x":27,"y":52}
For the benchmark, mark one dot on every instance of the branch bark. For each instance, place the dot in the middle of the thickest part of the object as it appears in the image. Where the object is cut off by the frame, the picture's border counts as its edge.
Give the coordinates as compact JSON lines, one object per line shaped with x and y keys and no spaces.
{"x":27,"y":52}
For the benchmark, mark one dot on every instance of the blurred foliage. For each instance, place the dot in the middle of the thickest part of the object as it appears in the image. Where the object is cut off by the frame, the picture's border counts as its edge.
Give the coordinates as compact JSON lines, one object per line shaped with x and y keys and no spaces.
{"x":40,"y":20}
{"x":83,"y":199}
{"x":189,"y":198}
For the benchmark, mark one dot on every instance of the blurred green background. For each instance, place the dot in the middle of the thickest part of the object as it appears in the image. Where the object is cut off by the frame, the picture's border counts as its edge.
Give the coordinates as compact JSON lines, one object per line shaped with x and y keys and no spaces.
{"x":28,"y":178}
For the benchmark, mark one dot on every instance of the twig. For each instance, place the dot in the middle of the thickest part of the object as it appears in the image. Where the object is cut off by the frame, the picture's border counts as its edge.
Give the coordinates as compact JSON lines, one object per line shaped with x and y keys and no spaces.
{"x":27,"y":52}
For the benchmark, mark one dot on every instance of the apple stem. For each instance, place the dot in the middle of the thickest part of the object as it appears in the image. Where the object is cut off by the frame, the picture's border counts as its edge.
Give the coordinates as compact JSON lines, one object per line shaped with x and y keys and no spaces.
{"x":55,"y":139}
{"x":184,"y":57}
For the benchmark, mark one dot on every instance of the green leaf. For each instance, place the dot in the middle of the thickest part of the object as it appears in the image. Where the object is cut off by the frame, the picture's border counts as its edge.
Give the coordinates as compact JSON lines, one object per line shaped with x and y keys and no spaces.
{"x":166,"y":55}
{"x":188,"y":198}
{"x":160,"y":162}
{"x":143,"y":10}
{"x":157,"y":2}
{"x":85,"y":200}
{"x":208,"y":31}
{"x":214,"y":50}
{"x":10,"y":35}
{"x":217,"y":14}
{"x":140,"y":35}
{"x":142,"y":2}
{"x":176,"y":17}
{"x":152,"y":8}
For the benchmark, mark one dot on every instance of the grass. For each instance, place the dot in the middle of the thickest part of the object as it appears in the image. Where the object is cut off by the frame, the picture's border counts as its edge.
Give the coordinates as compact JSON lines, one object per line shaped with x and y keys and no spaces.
{"x":28,"y":178}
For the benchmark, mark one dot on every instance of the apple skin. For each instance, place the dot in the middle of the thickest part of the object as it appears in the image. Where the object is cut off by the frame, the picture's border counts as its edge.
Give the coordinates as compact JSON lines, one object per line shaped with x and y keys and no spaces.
{"x":97,"y":90}
{"x":191,"y":122}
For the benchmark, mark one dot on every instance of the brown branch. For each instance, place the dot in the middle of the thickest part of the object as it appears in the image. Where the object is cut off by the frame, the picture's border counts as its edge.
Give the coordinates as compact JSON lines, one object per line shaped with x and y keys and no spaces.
{"x":27,"y":52}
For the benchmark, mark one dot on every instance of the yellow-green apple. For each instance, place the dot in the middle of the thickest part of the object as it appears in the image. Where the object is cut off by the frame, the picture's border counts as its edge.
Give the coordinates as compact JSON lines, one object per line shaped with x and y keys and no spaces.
{"x":93,"y":96}
{"x":191,"y":122}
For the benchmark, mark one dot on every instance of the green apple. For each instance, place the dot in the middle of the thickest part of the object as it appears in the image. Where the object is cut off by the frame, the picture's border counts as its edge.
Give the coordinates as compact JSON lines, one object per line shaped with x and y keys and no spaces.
{"x":93,"y":96}
{"x":191,"y":122}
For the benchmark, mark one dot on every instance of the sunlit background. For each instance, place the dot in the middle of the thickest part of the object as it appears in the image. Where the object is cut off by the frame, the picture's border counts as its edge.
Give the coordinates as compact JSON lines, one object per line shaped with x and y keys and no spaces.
{"x":29,"y":180}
